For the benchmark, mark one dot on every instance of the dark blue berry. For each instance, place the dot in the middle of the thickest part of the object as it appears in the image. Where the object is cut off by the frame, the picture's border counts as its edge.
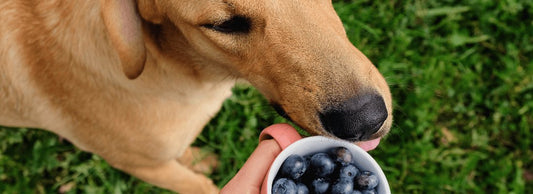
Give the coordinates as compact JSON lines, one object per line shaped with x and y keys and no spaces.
{"x":348,"y":171}
{"x":322,"y":165}
{"x":343,"y":186}
{"x":284,"y":186}
{"x":342,"y":155}
{"x":356,"y":192}
{"x":294,"y":167}
{"x":366,"y":180}
{"x":373,"y":191}
{"x":302,"y":189}
{"x":320,"y":186}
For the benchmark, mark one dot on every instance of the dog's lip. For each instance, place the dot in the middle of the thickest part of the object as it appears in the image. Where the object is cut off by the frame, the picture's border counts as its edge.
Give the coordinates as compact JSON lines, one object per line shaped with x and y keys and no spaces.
{"x":369,"y":145}
{"x":366,"y":145}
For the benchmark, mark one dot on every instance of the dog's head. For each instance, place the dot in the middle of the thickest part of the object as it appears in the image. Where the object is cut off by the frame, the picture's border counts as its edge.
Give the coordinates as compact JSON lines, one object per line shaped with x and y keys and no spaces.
{"x":295,"y":52}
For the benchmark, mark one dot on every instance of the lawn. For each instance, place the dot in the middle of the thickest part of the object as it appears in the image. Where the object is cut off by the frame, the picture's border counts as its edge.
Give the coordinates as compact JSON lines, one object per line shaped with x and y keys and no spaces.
{"x":461,"y":75}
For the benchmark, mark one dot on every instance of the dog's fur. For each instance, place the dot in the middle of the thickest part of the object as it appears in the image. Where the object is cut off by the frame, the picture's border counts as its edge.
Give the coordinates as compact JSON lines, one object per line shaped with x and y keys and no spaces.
{"x":136,"y":81}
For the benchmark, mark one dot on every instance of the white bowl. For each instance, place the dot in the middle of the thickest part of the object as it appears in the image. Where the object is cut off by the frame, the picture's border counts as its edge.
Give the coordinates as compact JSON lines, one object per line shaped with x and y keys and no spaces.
{"x":314,"y":144}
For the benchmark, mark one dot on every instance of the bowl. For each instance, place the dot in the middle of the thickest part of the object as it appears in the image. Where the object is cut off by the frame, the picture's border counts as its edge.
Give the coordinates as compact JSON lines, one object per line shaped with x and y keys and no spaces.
{"x":310,"y":145}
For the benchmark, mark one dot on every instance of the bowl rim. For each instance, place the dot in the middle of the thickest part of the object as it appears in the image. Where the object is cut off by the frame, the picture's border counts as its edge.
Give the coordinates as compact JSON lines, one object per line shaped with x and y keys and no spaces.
{"x":314,"y":144}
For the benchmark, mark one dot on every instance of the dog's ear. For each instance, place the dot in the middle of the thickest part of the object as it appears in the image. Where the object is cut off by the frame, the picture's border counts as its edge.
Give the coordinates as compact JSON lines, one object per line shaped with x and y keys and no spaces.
{"x":150,"y":11}
{"x":123,"y":24}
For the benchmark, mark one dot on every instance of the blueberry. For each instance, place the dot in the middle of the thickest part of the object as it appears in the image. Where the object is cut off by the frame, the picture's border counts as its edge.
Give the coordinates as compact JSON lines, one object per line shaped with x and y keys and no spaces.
{"x":356,"y":192}
{"x":294,"y":167}
{"x":319,"y":186}
{"x":343,"y":186}
{"x":342,"y":155}
{"x":308,"y":159}
{"x":322,"y":164}
{"x":348,"y":171}
{"x":373,"y":191}
{"x":302,"y":189}
{"x":284,"y":186}
{"x":366,"y":180}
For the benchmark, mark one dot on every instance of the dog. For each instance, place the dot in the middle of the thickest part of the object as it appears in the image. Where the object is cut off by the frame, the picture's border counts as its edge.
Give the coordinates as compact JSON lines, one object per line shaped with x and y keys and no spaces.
{"x":135,"y":81}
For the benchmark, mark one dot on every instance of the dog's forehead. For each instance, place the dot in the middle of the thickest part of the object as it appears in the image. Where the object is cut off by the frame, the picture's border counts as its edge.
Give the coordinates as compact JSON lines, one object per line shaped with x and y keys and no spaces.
{"x":198,"y":12}
{"x":262,"y":8}
{"x":248,"y":8}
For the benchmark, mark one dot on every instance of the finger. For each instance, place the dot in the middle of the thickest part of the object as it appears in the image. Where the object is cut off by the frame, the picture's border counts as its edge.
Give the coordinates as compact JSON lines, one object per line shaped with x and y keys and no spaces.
{"x":251,"y":175}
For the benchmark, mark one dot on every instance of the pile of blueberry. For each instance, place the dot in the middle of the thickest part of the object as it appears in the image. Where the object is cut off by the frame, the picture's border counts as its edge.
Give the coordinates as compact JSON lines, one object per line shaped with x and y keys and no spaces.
{"x":332,"y":171}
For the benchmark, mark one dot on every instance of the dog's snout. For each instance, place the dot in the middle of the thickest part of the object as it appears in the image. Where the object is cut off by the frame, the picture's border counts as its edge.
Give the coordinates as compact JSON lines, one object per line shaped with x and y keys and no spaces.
{"x":356,"y":119}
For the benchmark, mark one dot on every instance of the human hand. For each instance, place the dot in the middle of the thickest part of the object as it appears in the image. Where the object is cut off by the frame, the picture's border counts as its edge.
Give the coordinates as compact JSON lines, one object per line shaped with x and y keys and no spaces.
{"x":250,"y":177}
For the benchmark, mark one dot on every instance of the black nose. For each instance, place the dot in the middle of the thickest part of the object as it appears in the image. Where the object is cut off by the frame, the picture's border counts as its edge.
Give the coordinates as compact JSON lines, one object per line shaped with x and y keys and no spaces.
{"x":355,"y":119}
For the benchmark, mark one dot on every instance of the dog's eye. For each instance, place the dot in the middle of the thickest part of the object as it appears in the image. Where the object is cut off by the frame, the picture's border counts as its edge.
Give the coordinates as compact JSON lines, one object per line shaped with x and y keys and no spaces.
{"x":237,"y":24}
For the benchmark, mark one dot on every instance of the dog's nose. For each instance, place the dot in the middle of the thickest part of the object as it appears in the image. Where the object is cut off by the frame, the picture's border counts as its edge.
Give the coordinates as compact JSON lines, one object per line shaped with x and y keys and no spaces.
{"x":355,"y":119}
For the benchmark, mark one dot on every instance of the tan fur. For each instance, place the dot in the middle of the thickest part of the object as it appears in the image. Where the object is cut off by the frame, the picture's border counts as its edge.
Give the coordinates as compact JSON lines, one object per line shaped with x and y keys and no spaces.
{"x":137,"y":91}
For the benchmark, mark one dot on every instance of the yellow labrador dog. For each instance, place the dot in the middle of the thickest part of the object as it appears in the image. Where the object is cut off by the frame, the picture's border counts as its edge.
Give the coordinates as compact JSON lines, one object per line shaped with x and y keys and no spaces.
{"x":134,"y":81}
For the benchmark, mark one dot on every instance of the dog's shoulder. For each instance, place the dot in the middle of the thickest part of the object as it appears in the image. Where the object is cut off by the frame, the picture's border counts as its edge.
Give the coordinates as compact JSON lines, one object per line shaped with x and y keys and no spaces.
{"x":42,"y":44}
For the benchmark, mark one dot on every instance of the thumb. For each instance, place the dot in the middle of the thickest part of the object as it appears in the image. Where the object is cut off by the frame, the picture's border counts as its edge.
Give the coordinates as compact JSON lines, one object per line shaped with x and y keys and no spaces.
{"x":251,"y":175}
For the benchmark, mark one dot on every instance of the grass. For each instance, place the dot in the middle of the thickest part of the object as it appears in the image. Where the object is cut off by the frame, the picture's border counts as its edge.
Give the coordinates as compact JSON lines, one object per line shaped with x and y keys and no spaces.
{"x":461,"y":74}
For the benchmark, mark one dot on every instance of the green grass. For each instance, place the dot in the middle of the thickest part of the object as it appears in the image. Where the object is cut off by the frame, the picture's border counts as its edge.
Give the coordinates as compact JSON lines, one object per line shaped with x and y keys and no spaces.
{"x":461,"y":74}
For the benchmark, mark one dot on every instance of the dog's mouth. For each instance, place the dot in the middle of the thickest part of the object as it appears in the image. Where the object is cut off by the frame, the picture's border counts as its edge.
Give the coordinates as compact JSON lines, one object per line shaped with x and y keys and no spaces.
{"x":369,"y":145}
{"x":279,"y":109}
{"x":359,"y":119}
{"x":365,"y":144}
